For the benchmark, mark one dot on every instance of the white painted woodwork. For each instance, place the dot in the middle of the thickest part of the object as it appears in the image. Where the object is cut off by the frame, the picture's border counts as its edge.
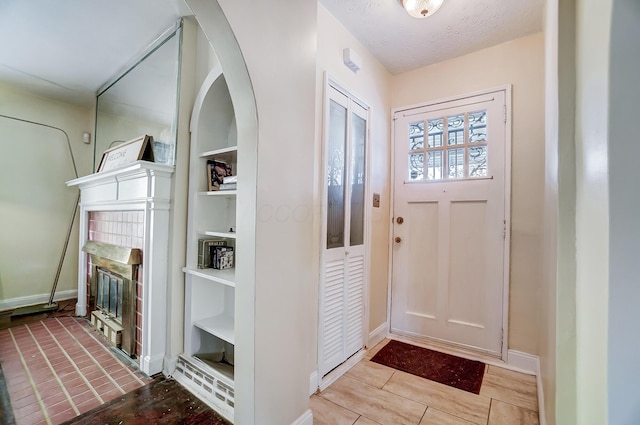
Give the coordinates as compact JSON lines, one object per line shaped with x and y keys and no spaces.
{"x":448,"y":274}
{"x":142,"y":186}
{"x":344,"y":269}
{"x":209,"y":316}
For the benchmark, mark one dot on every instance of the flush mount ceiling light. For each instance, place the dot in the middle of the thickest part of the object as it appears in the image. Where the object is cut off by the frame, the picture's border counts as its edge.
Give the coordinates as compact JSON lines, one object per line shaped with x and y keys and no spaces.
{"x":421,"y":8}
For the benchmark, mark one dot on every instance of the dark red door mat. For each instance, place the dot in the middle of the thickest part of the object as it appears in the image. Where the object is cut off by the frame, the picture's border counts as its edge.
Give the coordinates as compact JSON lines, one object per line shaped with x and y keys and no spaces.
{"x":440,"y":367}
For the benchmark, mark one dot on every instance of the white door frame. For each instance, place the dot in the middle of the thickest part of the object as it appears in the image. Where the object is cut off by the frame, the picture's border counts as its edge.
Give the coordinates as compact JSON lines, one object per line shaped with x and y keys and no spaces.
{"x":317,"y":380}
{"x":507,"y":194}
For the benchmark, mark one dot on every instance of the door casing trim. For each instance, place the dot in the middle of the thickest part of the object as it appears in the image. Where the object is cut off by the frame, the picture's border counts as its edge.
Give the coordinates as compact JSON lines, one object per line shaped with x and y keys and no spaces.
{"x":507,"y":89}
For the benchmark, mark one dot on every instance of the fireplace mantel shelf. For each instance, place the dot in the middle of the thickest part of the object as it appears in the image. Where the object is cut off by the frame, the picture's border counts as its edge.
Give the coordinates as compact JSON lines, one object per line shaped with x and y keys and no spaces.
{"x":136,"y":169}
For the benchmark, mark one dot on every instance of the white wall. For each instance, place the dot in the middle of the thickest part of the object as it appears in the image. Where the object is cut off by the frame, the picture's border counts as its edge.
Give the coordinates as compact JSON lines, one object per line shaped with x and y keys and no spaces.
{"x":557,"y":338}
{"x":372,"y":85}
{"x":520,"y":63}
{"x":624,"y":203}
{"x":592,"y":212}
{"x":278,"y":42}
{"x":37,"y":199}
{"x":273,"y":318}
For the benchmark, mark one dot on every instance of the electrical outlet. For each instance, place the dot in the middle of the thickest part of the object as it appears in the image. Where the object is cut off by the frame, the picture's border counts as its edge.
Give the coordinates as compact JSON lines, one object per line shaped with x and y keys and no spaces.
{"x":376,"y":200}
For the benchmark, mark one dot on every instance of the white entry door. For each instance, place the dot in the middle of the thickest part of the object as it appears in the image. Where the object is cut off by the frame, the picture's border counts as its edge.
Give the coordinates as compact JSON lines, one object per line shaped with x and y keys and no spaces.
{"x":342,"y":286}
{"x":450,"y":222}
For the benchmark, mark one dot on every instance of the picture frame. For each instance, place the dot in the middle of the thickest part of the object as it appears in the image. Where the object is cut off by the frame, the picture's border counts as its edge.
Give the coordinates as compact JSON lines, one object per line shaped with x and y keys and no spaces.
{"x":140,"y":148}
{"x":216,"y":172}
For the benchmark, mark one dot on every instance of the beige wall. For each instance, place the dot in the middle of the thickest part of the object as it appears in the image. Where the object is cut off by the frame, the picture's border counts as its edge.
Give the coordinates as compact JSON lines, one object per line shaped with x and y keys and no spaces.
{"x":520,"y":63}
{"x":372,"y":85}
{"x":38,"y":201}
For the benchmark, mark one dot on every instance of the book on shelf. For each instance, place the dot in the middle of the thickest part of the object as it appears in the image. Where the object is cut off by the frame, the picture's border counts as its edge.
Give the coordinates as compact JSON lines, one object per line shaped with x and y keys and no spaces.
{"x":228,"y":186}
{"x":222,"y":257}
{"x":230,"y":179}
{"x":216,"y":172}
{"x":204,"y":251}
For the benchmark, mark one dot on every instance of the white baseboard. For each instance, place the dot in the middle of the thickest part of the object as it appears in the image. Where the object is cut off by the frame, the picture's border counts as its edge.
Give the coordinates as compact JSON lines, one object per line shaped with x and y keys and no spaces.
{"x":11,"y":303}
{"x":523,"y":362}
{"x":313,"y":382}
{"x":305,"y":419}
{"x":378,"y":334}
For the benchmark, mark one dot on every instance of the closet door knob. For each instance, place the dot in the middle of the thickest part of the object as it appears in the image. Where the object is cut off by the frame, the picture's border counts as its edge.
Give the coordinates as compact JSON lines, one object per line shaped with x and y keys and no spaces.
{"x":398,"y":239}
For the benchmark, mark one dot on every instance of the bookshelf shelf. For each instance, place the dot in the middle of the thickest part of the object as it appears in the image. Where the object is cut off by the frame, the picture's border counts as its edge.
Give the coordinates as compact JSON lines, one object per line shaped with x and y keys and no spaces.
{"x":220,"y":326}
{"x":217,"y":234}
{"x":225,"y":277}
{"x":229,"y":193}
{"x":229,"y":152}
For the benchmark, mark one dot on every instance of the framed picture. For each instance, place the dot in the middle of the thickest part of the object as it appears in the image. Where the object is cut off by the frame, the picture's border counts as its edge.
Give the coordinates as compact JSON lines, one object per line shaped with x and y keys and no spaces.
{"x":216,"y":172}
{"x":140,"y":148}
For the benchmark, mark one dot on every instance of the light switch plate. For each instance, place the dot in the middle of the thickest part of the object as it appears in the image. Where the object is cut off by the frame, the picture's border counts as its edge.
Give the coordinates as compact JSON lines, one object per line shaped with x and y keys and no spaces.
{"x":376,"y":200}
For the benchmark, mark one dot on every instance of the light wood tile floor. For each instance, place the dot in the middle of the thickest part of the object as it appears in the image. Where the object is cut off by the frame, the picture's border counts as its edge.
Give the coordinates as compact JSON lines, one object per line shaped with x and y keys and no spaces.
{"x":373,"y":394}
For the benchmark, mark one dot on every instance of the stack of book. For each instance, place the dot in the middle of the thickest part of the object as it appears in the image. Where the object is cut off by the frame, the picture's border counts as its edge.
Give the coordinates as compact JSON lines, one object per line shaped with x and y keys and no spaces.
{"x":204,"y":251}
{"x":222,"y":257}
{"x":229,"y":183}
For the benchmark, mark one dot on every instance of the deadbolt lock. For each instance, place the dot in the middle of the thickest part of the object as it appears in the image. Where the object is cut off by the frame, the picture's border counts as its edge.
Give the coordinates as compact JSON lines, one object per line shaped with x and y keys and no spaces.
{"x":399,"y":220}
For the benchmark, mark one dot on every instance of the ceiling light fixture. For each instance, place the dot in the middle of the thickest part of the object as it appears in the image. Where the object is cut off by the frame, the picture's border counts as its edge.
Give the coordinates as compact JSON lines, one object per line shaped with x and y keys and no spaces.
{"x":421,"y":8}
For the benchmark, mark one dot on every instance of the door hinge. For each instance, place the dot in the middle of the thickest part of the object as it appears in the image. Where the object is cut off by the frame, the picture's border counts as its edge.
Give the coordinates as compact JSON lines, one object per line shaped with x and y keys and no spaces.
{"x":505,"y":113}
{"x":504,"y":229}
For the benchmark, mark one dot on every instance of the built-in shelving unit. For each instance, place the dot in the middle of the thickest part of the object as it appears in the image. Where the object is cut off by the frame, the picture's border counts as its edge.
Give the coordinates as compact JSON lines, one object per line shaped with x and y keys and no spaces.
{"x":207,"y":365}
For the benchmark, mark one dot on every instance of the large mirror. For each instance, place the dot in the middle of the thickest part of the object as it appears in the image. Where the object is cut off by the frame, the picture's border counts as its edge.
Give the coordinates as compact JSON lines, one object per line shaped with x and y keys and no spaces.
{"x":143,"y":100}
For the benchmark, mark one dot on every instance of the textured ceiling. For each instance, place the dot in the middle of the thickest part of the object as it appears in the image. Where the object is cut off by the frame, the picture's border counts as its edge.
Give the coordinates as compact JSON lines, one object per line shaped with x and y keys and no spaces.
{"x":402,"y":43}
{"x":67,"y":49}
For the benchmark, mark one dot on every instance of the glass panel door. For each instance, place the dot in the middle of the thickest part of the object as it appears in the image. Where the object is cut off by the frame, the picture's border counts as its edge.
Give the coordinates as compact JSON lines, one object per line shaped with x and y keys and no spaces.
{"x":358,"y":175}
{"x":336,"y":148}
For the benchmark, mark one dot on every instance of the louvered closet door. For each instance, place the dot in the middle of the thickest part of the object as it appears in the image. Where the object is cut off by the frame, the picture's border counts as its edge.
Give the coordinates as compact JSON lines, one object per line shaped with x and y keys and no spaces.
{"x":343,"y":261}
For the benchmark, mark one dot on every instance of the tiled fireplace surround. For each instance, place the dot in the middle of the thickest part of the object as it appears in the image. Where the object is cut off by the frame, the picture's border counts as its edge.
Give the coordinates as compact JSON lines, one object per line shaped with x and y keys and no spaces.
{"x":126,"y":229}
{"x":129,"y":207}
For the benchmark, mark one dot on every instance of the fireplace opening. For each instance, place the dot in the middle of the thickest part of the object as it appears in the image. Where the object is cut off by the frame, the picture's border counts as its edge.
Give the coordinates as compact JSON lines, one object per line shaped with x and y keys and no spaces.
{"x":112,"y":293}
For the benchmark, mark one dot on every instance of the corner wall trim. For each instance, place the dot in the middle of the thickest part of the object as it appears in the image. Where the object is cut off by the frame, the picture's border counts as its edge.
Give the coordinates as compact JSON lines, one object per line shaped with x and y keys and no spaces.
{"x":305,"y":419}
{"x":313,"y":382}
{"x":36,"y":299}
{"x":524,"y":362}
{"x":542,"y":419}
{"x":378,"y":334}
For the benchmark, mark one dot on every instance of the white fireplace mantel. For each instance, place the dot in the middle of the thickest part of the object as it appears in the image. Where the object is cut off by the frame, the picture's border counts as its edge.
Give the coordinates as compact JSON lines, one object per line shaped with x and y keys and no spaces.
{"x":141,"y":186}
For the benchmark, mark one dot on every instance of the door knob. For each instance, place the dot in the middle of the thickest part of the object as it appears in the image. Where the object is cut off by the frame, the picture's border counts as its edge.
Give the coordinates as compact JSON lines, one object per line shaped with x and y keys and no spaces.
{"x":399,"y":220}
{"x":398,"y":239}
